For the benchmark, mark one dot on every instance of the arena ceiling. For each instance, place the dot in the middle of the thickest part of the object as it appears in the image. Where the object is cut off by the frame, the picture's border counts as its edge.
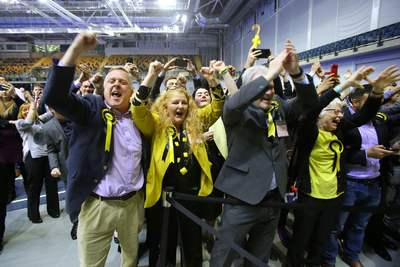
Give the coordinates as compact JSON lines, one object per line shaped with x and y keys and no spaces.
{"x":115,"y":19}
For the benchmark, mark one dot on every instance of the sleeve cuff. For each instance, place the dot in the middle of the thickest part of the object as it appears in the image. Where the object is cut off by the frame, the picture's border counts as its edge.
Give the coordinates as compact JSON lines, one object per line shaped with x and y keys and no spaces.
{"x":62,"y":65}
{"x":77,"y":83}
{"x":387,"y":94}
{"x":305,"y":81}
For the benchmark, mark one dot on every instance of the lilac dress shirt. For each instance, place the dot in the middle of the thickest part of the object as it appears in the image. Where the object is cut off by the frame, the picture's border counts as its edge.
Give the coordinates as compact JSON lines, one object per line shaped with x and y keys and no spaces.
{"x":125,"y":173}
{"x":369,"y":139}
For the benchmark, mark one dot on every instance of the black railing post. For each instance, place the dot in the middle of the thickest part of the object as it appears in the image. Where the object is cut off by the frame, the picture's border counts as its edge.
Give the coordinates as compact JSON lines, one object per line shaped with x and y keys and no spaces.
{"x":164,"y":234}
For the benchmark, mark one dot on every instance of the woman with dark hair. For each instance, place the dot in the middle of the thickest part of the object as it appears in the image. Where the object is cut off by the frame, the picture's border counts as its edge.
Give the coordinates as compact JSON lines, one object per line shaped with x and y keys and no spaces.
{"x":320,"y":166}
{"x":175,"y":127}
{"x":11,"y":153}
{"x":217,"y":147}
{"x":36,"y":161}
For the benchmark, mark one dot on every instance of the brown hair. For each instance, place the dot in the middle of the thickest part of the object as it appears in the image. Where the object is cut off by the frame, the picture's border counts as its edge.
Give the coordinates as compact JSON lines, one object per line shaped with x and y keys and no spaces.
{"x":26,"y":106}
{"x":170,"y":78}
{"x":193,"y":123}
{"x":39,"y":85}
{"x":6,"y":111}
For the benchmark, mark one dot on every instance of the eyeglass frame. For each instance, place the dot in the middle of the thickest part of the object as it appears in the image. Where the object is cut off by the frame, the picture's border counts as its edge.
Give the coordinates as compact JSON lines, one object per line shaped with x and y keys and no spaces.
{"x":336,"y":111}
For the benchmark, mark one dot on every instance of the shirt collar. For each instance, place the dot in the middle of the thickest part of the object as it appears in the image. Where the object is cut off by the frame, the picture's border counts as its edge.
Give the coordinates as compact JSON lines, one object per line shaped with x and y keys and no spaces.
{"x":117,"y":113}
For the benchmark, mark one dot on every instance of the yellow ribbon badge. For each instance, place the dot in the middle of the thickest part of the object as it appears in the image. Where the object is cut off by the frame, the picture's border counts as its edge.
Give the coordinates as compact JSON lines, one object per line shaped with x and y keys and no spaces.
{"x":271,"y":123}
{"x":110,"y":118}
{"x":169,"y":147}
{"x":256,"y":40}
{"x":336,"y":147}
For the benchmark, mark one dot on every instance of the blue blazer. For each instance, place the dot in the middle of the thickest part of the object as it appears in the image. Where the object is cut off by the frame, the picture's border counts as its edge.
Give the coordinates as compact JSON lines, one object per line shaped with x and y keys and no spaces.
{"x":87,"y":162}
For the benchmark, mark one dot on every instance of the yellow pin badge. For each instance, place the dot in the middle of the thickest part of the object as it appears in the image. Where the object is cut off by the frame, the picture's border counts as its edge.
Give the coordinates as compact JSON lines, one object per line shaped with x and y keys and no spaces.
{"x":256,"y":40}
{"x":110,"y":118}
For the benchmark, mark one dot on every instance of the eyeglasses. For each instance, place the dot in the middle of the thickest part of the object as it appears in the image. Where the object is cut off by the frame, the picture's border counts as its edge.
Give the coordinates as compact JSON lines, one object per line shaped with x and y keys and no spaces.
{"x":336,"y":111}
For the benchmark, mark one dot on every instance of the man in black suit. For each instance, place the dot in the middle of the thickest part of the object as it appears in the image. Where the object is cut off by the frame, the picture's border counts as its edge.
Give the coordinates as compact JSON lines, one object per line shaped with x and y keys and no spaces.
{"x":57,"y":133}
{"x":256,"y":167}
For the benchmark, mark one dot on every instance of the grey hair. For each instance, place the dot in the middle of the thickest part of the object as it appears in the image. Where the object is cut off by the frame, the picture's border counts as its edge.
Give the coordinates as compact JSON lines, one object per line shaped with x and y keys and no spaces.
{"x":334,"y":102}
{"x":119,"y":68}
{"x":250,"y":72}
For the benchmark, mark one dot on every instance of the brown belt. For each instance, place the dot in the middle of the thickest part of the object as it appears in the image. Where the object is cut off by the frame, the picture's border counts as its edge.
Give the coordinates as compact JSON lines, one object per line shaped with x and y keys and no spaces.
{"x":124,"y":197}
{"x":365,"y":181}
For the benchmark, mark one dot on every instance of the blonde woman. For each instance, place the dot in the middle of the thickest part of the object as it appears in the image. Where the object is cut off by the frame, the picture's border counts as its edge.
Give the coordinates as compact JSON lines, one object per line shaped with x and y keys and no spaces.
{"x":175,"y":127}
{"x":36,"y":161}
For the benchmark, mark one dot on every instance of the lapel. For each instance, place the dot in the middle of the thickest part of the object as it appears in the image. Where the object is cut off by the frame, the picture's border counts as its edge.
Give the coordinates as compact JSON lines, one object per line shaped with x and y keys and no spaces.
{"x":378,"y":123}
{"x":59,"y":128}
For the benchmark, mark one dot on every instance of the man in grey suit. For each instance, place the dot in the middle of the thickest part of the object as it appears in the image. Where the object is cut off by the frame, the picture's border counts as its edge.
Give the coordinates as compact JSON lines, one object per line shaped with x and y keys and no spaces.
{"x":57,"y":133}
{"x":255,"y":170}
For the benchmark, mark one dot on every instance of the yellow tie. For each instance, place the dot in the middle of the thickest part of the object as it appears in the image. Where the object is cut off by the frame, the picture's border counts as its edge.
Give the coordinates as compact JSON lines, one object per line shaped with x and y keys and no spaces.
{"x":271,"y":124}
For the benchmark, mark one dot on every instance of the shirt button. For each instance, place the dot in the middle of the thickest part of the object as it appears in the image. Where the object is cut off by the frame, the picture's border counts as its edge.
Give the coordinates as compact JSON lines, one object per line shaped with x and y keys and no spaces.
{"x":96,"y":181}
{"x":105,"y":167}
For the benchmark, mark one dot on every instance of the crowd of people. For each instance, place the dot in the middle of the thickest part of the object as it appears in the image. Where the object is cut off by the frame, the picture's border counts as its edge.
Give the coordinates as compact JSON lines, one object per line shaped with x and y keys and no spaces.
{"x":268,"y":133}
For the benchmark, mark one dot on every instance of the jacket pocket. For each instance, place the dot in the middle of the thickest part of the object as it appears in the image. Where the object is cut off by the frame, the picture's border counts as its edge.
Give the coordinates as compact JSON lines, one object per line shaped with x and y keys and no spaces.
{"x":238,"y":165}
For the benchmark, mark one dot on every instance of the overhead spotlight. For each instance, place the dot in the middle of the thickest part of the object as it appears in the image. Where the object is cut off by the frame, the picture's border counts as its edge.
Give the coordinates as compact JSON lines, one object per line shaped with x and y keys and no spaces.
{"x":166,"y":2}
{"x":177,"y":16}
{"x":184,"y":18}
{"x":109,"y":14}
{"x":103,"y":7}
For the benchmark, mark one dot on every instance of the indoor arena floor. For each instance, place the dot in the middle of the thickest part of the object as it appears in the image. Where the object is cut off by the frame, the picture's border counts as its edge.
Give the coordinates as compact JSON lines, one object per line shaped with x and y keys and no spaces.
{"x":49,"y":244}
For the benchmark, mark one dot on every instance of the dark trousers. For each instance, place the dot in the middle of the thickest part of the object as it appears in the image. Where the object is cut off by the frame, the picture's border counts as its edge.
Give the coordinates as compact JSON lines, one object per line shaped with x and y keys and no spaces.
{"x":313,"y":228}
{"x":37,"y":169}
{"x":190,"y":232}
{"x":283,"y":217}
{"x":9,"y":169}
{"x":238,"y":221}
{"x":73,"y":216}
{"x":3,"y":199}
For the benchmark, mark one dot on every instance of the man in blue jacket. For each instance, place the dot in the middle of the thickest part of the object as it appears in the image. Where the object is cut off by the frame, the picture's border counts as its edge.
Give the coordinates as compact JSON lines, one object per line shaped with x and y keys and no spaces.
{"x":106,"y":158}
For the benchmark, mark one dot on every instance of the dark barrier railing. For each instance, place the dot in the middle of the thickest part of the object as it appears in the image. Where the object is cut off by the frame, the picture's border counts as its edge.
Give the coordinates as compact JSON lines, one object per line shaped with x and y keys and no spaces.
{"x":170,"y":197}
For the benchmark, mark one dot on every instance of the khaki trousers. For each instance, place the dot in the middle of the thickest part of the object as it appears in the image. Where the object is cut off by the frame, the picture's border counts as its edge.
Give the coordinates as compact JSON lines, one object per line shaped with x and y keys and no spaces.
{"x":98,"y":220}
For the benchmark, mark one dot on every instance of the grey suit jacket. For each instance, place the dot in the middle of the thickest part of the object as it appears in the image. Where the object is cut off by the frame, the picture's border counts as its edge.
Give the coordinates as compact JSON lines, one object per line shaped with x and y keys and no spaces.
{"x":57,"y":146}
{"x":391,"y":109}
{"x":253,"y":157}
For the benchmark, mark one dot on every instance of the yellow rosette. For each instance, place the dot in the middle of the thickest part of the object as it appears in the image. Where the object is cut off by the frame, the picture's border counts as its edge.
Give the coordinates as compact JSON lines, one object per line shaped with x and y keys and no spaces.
{"x":336,"y":147}
{"x":169,"y":147}
{"x":110,"y":118}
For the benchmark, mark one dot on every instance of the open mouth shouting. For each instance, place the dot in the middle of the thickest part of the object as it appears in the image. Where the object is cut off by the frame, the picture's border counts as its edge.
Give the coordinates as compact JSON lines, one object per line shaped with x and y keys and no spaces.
{"x":116,"y":94}
{"x":335,"y":122}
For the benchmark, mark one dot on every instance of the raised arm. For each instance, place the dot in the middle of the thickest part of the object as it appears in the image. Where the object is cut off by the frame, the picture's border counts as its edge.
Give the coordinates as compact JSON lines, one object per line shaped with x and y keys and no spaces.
{"x":235,"y":104}
{"x":98,"y":83}
{"x":224,"y":71}
{"x":23,"y":124}
{"x":142,"y":116}
{"x":134,"y":71}
{"x":56,"y":92}
{"x":212,"y":112}
{"x":155,"y":91}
